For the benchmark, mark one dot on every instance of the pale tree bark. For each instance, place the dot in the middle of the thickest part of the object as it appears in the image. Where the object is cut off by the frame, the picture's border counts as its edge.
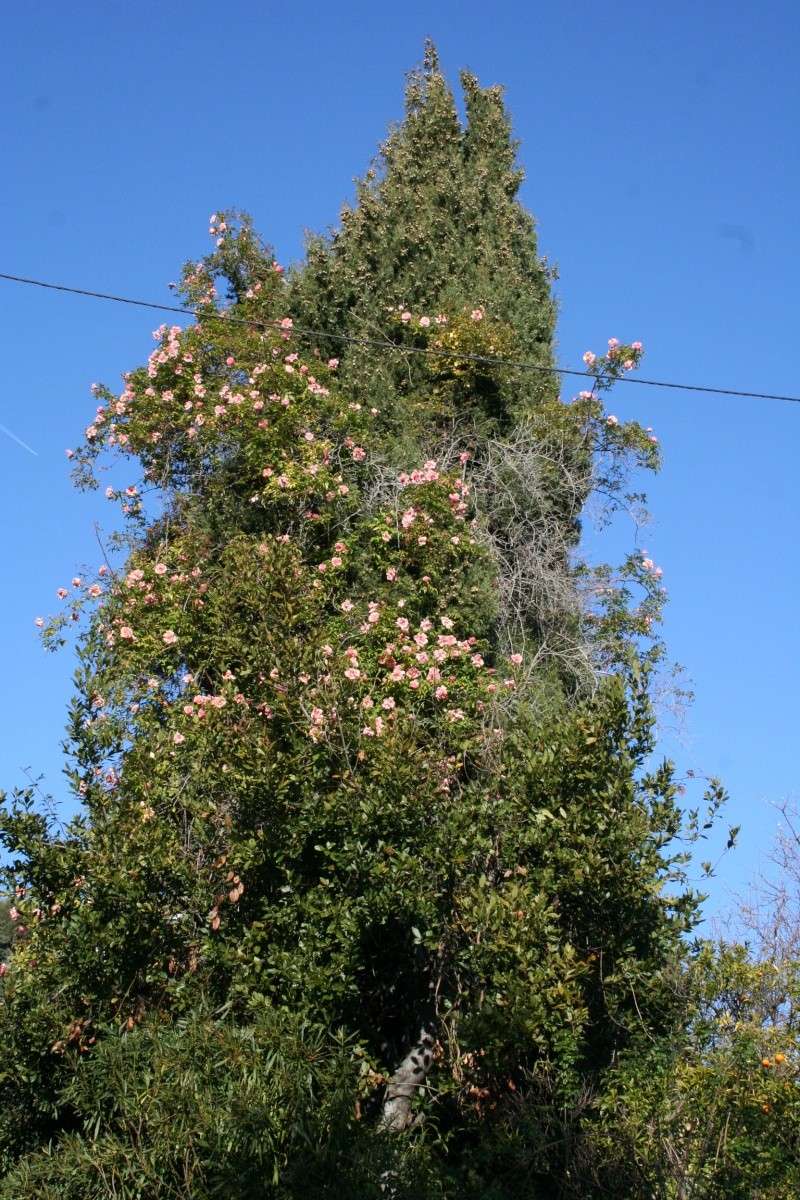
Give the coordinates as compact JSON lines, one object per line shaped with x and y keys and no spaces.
{"x":409,"y":1076}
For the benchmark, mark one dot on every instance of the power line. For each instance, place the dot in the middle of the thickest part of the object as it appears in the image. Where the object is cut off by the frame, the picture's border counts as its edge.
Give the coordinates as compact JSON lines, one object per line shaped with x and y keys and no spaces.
{"x":385,"y":345}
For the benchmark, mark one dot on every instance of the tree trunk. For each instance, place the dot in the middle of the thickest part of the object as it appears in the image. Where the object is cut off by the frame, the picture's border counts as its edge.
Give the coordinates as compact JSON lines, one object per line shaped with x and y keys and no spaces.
{"x":400,"y":1089}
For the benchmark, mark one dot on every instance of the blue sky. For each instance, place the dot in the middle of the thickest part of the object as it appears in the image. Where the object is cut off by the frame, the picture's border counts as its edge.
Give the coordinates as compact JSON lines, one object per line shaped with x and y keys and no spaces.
{"x":662,"y":158}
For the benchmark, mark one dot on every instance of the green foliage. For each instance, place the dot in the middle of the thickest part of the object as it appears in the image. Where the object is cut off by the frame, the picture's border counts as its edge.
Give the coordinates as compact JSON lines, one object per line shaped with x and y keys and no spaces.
{"x":359,"y":748}
{"x":716,"y":1112}
{"x":206,"y":1108}
{"x":436,"y":227}
{"x":6,"y":927}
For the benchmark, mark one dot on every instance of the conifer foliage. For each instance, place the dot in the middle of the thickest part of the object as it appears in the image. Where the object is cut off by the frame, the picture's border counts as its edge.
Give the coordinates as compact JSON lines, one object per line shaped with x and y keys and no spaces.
{"x":437,"y":226}
{"x":371,"y":882}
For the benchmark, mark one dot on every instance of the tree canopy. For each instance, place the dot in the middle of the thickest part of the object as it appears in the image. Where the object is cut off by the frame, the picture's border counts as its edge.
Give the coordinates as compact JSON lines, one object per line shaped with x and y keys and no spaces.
{"x":374,"y":886}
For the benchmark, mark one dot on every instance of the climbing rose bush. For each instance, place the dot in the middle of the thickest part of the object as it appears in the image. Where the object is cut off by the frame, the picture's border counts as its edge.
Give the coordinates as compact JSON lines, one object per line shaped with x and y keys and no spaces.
{"x":368,"y":885}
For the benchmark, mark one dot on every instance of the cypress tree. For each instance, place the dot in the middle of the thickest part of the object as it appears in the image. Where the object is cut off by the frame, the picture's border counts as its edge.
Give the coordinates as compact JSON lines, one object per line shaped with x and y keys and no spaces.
{"x":437,"y":226}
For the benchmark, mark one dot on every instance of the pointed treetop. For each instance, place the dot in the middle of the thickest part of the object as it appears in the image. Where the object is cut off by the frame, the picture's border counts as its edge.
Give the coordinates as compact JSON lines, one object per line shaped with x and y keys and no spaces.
{"x":437,"y":225}
{"x":431,"y":57}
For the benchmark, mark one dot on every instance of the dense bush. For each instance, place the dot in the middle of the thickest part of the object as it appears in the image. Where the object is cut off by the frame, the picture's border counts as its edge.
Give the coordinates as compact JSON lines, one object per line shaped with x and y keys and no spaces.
{"x":372,"y":890}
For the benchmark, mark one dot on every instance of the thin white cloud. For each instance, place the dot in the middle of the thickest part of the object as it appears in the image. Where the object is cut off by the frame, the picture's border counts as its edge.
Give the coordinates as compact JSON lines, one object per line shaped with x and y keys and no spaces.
{"x":4,"y":429}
